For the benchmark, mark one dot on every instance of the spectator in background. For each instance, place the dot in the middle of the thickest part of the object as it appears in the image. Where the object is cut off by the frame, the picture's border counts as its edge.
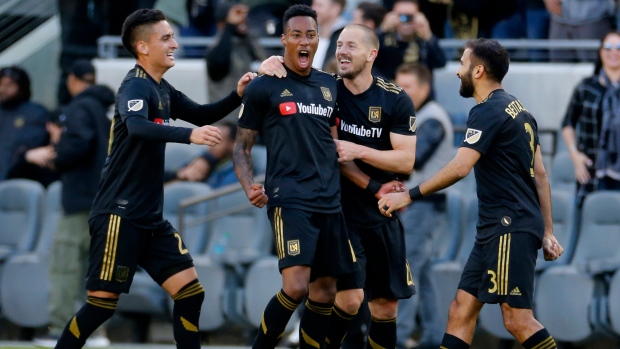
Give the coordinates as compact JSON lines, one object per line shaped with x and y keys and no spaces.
{"x":590,"y":128}
{"x":537,"y":27}
{"x":78,"y":155}
{"x":578,"y":19}
{"x":235,"y":52}
{"x":436,"y":11}
{"x":22,"y":127}
{"x":213,"y":166}
{"x":370,"y":14}
{"x":82,"y":22}
{"x":331,"y":23}
{"x":406,"y":37}
{"x":434,"y":150}
{"x":472,"y":19}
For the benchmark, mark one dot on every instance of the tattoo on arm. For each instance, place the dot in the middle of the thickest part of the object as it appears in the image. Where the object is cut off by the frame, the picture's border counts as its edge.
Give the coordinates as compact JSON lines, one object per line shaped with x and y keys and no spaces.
{"x":242,"y":156}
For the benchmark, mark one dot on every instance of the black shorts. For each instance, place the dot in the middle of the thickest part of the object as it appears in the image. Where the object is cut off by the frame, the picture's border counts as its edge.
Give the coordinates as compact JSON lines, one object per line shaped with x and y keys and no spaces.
{"x":318,"y":240}
{"x":117,"y":248}
{"x":382,"y":256}
{"x":502,"y":270}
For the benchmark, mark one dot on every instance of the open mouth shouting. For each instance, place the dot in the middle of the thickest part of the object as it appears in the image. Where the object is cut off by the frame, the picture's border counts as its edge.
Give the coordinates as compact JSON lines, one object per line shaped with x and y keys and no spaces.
{"x":304,"y":58}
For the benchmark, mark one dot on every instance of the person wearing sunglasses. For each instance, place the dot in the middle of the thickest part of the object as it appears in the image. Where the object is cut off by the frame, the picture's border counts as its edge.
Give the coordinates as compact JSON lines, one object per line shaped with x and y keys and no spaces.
{"x":591,"y":126}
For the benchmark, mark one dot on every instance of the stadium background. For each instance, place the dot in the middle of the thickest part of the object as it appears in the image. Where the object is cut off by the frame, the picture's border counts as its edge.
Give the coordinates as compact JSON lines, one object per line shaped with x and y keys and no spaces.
{"x":31,"y":36}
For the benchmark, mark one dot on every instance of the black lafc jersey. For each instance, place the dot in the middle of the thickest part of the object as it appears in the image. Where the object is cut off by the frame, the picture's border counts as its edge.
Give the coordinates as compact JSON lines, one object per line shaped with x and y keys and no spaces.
{"x":294,"y":116}
{"x":131,"y":184}
{"x":368,"y":119}
{"x":506,"y":135}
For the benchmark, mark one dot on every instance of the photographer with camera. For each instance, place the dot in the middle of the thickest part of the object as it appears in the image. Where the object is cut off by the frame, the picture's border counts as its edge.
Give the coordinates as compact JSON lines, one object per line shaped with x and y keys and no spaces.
{"x":406,"y":37}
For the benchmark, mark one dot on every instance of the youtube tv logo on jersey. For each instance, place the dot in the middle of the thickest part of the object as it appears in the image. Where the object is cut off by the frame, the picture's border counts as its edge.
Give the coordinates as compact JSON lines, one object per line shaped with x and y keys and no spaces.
{"x":288,"y":108}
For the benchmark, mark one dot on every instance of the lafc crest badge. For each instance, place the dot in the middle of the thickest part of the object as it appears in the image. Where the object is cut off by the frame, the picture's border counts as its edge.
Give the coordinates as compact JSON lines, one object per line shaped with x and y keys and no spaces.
{"x":413,"y":125}
{"x":293,"y":247}
{"x":122,"y":273}
{"x":374,"y":114}
{"x":326,"y":94}
{"x":472,"y":136}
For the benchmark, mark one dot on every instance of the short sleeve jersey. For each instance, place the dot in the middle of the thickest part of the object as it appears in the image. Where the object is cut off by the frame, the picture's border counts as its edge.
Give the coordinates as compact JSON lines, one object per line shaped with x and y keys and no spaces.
{"x":294,"y":115}
{"x":506,"y":136}
{"x":368,"y":119}
{"x":131,"y":184}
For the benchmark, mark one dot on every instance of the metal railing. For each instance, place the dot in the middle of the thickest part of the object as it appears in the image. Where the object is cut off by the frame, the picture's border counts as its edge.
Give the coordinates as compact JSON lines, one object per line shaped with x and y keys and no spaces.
{"x":108,"y":46}
{"x":19,"y":17}
{"x":198,"y":199}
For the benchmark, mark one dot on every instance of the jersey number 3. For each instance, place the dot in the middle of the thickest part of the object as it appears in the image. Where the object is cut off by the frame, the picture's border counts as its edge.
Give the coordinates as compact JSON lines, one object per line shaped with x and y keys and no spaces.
{"x":530,"y":131}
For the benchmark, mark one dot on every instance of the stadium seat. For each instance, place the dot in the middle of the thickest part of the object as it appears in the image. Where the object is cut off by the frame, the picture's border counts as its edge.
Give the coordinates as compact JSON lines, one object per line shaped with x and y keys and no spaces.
{"x":576,"y":288}
{"x":562,"y":173}
{"x":262,"y":282}
{"x":24,"y":285}
{"x":613,"y":303}
{"x":212,"y":276}
{"x":563,"y":208}
{"x":235,"y":241}
{"x":238,"y":239}
{"x":446,"y":274}
{"x":194,"y":237}
{"x":20,"y":214}
{"x":52,"y":209}
{"x":178,"y":155}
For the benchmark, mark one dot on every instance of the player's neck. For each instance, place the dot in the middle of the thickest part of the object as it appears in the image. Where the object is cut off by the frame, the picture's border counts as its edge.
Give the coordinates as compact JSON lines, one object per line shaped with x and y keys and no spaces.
{"x":156,"y":73}
{"x":484,"y":89}
{"x":360,"y":83}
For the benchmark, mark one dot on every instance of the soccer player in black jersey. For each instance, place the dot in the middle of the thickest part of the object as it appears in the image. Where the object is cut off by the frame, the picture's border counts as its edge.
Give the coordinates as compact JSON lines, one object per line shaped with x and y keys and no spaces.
{"x":376,"y":127}
{"x":377,"y":142}
{"x":302,"y":185}
{"x":514,"y":209}
{"x":126,"y":224}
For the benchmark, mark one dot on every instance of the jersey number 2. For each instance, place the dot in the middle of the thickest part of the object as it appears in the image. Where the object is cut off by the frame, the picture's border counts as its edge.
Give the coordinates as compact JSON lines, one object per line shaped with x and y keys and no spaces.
{"x":181,"y":249}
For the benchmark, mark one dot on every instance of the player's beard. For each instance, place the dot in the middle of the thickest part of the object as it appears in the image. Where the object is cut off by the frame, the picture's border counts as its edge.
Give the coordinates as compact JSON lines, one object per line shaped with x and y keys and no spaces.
{"x":467,"y":85}
{"x":353,"y":73}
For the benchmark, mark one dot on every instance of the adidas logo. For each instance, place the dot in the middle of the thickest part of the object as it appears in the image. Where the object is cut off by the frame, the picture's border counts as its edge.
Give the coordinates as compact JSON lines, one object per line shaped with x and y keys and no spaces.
{"x":286,"y":93}
{"x":515,"y":292}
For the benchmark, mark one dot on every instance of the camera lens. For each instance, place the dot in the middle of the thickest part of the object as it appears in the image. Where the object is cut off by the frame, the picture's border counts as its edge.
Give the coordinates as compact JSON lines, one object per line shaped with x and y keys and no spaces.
{"x":406,"y":18}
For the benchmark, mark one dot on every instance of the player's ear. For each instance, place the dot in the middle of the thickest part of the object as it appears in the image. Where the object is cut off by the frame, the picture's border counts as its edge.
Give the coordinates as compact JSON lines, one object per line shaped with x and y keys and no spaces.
{"x":479,"y":70}
{"x":372,"y":55}
{"x":142,"y":47}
